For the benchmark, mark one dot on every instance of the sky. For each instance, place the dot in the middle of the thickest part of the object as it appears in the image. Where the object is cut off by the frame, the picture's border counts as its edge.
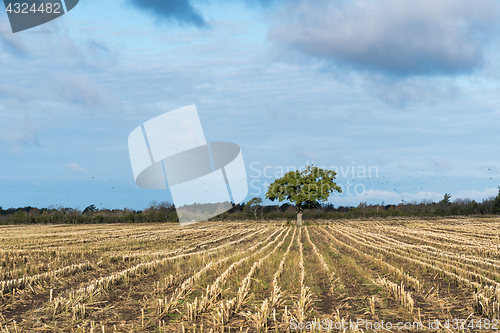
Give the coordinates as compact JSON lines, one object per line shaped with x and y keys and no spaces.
{"x":401,"y":98}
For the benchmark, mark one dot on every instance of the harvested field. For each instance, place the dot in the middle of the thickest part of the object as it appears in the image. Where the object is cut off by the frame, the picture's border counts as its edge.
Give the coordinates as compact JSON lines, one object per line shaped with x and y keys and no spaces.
{"x":255,"y":277}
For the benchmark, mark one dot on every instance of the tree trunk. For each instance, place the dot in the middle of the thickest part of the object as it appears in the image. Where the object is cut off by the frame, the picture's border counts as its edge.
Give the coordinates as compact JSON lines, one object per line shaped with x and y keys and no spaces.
{"x":299,"y":215}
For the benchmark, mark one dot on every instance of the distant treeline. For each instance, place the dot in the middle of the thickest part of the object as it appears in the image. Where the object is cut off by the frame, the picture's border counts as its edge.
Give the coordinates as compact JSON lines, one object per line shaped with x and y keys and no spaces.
{"x":165,"y":212}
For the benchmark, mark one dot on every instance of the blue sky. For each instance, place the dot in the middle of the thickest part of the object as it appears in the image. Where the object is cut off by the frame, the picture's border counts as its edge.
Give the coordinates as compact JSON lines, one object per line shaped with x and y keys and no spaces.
{"x":411,"y":90}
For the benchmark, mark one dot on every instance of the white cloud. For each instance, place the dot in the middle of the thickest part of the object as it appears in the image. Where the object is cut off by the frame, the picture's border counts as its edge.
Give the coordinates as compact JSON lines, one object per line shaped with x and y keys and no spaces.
{"x":394,"y":197}
{"x":402,"y":91}
{"x":82,"y":90}
{"x":475,"y":195}
{"x":21,"y":134}
{"x":10,"y":43}
{"x":75,"y":169}
{"x":439,"y":164}
{"x":308,"y":154}
{"x":395,"y":37}
{"x":389,"y":197}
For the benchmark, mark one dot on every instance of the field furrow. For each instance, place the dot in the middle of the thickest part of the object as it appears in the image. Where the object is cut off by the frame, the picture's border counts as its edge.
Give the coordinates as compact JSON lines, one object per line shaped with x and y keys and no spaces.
{"x":251,"y":276}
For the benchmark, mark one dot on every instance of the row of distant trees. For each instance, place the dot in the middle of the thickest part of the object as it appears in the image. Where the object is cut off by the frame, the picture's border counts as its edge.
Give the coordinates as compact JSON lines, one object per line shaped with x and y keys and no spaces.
{"x":426,"y":208}
{"x":308,"y":190}
{"x":251,"y":210}
{"x":156,"y":212}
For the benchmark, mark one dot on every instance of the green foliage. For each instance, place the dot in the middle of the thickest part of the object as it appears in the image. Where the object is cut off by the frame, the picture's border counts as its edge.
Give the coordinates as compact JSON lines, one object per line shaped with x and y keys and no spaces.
{"x":306,"y":189}
{"x":90,"y":209}
{"x":496,"y":204}
{"x":254,"y":205}
{"x":253,"y":202}
{"x":446,"y":199}
{"x":166,"y":212}
{"x":444,"y":204}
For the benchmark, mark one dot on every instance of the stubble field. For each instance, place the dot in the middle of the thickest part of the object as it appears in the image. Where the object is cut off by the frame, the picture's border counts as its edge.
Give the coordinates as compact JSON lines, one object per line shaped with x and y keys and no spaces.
{"x":255,"y":277}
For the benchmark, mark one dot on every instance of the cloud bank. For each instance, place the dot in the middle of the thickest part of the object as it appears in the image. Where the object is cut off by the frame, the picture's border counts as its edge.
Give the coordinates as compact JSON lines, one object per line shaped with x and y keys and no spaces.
{"x":20,"y":134}
{"x":179,"y":11}
{"x":392,"y":37}
{"x":183,"y":12}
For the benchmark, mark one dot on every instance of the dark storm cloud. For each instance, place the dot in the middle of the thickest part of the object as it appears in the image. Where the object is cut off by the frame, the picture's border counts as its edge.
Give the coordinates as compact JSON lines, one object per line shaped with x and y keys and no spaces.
{"x":183,"y":12}
{"x":395,"y":37}
{"x":179,"y":11}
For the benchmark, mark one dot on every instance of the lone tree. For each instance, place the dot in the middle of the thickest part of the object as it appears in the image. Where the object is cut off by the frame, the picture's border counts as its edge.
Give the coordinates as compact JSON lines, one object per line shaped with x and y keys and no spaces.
{"x":254,"y":206}
{"x":305,"y":189}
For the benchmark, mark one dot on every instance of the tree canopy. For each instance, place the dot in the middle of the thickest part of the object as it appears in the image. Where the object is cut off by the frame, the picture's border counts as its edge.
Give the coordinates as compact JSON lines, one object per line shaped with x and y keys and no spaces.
{"x":254,"y":205}
{"x":496,"y":204}
{"x":305,"y":189}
